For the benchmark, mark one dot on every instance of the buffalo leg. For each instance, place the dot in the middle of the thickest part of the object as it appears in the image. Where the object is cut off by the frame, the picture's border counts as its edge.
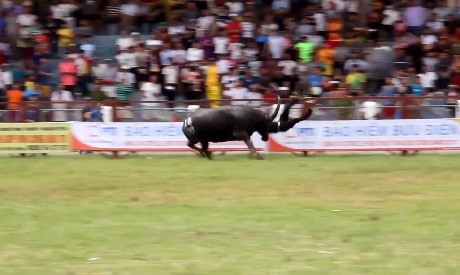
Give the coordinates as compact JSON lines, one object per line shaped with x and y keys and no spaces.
{"x":193,"y":146}
{"x":287,"y":108}
{"x":205,"y":149}
{"x":252,"y":149}
{"x":286,"y":125}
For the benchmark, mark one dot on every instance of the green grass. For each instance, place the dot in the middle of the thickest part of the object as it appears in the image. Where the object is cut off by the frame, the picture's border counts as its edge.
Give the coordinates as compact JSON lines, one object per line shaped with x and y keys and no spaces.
{"x":361,"y":214}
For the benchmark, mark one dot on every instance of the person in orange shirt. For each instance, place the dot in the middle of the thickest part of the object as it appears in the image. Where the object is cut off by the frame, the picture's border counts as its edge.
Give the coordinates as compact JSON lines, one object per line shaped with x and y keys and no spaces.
{"x":334,"y":28}
{"x":326,"y":54}
{"x":15,"y":98}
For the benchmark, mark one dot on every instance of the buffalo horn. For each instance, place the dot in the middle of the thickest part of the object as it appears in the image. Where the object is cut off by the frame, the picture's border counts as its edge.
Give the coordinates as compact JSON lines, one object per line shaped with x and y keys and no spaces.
{"x":275,"y":113}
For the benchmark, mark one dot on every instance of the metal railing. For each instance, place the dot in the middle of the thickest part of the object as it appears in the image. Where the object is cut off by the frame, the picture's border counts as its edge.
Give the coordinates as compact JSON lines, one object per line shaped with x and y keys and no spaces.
{"x":326,"y":108}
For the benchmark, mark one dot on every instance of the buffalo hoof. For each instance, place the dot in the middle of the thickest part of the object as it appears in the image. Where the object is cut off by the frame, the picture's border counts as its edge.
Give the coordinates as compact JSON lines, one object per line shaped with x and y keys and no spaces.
{"x":208,"y":155}
{"x":200,"y":154}
{"x":256,"y":156}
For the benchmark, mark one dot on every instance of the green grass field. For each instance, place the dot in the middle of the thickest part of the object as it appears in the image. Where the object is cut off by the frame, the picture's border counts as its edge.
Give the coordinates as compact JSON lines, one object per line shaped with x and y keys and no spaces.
{"x":360,"y":214}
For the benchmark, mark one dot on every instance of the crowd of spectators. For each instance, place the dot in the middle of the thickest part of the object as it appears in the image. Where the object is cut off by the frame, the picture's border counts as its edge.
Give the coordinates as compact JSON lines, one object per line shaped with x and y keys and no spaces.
{"x":225,"y":49}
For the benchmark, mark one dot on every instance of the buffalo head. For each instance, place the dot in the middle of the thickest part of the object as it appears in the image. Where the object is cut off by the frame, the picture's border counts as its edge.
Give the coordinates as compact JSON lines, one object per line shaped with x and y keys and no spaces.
{"x":264,"y":129}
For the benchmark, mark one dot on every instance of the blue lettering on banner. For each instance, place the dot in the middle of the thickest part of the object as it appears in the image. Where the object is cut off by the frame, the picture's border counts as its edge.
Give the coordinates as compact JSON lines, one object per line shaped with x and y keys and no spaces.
{"x":406,"y":130}
{"x":360,"y":131}
{"x":109,"y":131}
{"x":441,"y":129}
{"x":306,"y":132}
{"x":157,"y":131}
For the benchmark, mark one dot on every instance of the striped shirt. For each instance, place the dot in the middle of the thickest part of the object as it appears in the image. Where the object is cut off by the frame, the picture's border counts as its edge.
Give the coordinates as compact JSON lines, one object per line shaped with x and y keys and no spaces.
{"x":112,"y":12}
{"x":124,"y":91}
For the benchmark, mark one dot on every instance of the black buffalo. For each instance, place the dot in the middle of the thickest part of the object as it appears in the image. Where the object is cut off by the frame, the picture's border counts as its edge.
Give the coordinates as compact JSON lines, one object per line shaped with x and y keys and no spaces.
{"x":232,"y":123}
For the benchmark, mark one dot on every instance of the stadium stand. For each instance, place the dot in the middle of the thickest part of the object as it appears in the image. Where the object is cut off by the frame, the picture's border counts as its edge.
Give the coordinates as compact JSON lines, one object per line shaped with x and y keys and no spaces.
{"x":56,"y":53}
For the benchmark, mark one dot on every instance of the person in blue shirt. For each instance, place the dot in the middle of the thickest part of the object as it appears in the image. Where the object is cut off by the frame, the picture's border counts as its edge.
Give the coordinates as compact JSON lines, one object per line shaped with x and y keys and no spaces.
{"x":250,"y":81}
{"x":261,"y":39}
{"x":417,"y":88}
{"x":93,"y":113}
{"x":18,"y":72}
{"x":315,"y":81}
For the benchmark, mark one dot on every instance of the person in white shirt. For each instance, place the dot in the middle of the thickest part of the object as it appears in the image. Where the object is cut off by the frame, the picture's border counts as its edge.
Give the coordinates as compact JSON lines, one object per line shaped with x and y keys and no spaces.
{"x":391,"y":15}
{"x":320,"y":21}
{"x":6,"y":76}
{"x":281,"y":5}
{"x":171,"y":81}
{"x":235,"y":6}
{"x":195,"y":53}
{"x":99,"y":68}
{"x":247,"y":29}
{"x":62,"y":10}
{"x":257,"y":97}
{"x":435,"y":24}
{"x":206,"y":20}
{"x":276,"y":44}
{"x":269,"y":25}
{"x":340,"y":5}
{"x":316,"y":39}
{"x":223,"y":64}
{"x":131,"y":8}
{"x":151,"y":91}
{"x":24,"y":23}
{"x":235,"y":50}
{"x":3,"y":87}
{"x":127,"y":58}
{"x":176,"y":28}
{"x":429,"y":39}
{"x":26,"y":19}
{"x":59,"y":113}
{"x":237,"y":92}
{"x":142,"y":56}
{"x":251,"y":51}
{"x":154,"y":42}
{"x":166,"y":54}
{"x":288,"y":66}
{"x":125,"y":77}
{"x":180,"y":54}
{"x":352,"y":6}
{"x":88,"y":48}
{"x":230,"y":80}
{"x":221,"y":43}
{"x":428,"y":78}
{"x":124,"y":41}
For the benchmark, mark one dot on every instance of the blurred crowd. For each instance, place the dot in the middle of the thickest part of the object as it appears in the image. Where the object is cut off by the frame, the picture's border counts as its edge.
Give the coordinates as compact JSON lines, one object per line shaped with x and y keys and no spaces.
{"x":216,"y":50}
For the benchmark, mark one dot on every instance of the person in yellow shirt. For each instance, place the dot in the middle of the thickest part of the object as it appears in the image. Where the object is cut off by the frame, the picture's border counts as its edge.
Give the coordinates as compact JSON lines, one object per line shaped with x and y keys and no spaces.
{"x":29,"y":83}
{"x":326,"y":54}
{"x":66,"y":36}
{"x":356,"y":81}
{"x":213,"y":90}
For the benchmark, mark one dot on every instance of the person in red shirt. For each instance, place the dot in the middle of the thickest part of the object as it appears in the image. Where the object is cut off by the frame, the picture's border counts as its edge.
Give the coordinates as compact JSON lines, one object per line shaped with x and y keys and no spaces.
{"x":42,"y":46}
{"x":3,"y":58}
{"x":234,"y":29}
{"x":68,"y":72}
{"x":455,"y":78}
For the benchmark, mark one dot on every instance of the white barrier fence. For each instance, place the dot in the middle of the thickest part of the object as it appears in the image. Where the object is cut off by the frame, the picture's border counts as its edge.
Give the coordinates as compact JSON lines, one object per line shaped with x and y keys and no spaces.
{"x":352,"y":135}
{"x":142,"y":136}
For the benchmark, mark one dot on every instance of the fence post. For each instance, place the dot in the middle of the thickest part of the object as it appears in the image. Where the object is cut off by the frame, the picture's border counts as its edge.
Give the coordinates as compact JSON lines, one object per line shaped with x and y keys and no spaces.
{"x":114,"y":105}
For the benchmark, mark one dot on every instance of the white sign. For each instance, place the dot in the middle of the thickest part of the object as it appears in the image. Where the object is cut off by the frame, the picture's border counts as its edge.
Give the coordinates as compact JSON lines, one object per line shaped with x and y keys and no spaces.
{"x":369,"y":135}
{"x":143,"y":136}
